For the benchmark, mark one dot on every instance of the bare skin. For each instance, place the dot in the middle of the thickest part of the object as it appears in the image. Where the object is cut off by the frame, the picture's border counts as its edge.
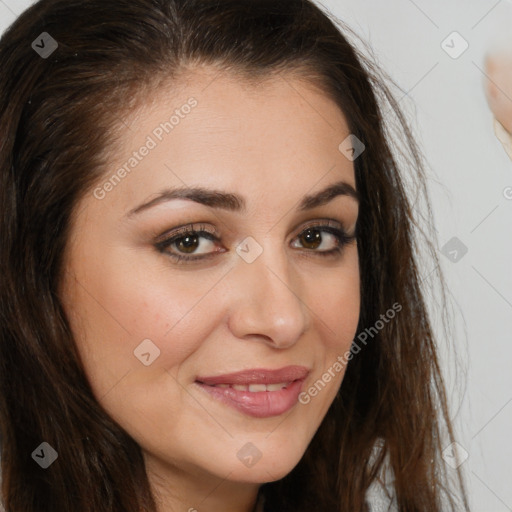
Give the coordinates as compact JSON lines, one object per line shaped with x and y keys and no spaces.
{"x":498,"y":86}
{"x":272,"y":144}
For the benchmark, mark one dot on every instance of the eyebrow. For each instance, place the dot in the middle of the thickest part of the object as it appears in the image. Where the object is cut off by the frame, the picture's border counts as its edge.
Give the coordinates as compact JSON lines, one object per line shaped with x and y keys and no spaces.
{"x":233,"y":202}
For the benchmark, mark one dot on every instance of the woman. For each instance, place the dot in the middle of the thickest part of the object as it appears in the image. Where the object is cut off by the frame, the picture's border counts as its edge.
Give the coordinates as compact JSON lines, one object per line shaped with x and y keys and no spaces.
{"x":210,"y":296}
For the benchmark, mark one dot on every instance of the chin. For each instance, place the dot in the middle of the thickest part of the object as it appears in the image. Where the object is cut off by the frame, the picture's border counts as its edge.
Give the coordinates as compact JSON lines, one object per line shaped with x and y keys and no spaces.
{"x":272,"y":466}
{"x":261,"y":474}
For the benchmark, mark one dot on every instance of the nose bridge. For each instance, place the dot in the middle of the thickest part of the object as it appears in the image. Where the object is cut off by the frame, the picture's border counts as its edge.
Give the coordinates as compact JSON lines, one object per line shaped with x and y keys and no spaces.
{"x":266,"y":301}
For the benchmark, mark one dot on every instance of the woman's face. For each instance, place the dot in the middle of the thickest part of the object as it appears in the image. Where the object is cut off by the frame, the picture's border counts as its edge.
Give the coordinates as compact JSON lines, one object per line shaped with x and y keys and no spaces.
{"x":264,"y":288}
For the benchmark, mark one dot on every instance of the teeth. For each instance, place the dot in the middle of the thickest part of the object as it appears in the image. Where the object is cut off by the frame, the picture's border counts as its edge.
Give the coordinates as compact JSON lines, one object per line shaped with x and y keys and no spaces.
{"x":255,"y":388}
{"x":276,"y":387}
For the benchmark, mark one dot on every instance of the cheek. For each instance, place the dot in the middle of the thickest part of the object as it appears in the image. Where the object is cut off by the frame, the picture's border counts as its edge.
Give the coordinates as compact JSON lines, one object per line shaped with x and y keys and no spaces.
{"x":336,"y":307}
{"x":116,"y":308}
{"x":336,"y":303}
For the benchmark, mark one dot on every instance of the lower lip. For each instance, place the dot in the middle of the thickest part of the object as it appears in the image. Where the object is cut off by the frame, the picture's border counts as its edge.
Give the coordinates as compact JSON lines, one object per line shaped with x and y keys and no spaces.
{"x":260,"y":404}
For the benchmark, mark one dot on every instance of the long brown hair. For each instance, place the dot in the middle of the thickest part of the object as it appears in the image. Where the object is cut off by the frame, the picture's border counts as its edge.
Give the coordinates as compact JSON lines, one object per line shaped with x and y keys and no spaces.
{"x":59,"y":117}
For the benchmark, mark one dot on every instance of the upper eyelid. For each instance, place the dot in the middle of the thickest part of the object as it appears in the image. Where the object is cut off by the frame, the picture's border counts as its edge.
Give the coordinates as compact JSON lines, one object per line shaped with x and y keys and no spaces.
{"x":183,"y":230}
{"x":197,"y":227}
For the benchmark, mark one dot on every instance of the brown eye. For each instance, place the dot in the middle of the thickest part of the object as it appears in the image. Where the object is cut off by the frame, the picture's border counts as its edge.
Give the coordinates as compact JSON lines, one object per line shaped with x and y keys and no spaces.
{"x":189,"y":243}
{"x":311,"y":238}
{"x":187,"y":240}
{"x":323,"y":239}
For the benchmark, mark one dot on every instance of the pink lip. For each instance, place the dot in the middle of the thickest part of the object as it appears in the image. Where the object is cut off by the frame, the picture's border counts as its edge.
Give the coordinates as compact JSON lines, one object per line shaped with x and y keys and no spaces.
{"x":257,"y":376}
{"x":259,"y":404}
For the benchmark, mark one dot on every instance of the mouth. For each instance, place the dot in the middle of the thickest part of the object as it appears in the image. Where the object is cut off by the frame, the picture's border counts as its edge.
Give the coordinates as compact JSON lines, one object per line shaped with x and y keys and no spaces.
{"x":259,"y":393}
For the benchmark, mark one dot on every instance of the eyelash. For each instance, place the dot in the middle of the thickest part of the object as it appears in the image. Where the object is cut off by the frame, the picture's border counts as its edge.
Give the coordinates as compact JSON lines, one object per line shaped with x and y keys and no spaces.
{"x":326,"y":226}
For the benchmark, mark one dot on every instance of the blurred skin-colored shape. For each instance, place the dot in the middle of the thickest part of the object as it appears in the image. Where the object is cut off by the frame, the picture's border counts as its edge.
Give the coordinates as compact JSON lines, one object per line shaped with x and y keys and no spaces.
{"x":498,"y":90}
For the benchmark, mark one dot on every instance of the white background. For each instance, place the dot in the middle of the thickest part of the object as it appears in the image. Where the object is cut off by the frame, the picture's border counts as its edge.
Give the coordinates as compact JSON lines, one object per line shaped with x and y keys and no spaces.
{"x":469,"y":171}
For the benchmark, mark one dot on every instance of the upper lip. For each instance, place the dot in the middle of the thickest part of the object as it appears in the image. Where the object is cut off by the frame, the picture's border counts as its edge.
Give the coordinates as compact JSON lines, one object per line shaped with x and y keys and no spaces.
{"x":257,"y":376}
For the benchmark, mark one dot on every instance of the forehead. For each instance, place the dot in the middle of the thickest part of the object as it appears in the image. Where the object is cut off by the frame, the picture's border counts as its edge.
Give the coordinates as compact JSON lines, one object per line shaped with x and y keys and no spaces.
{"x":214,"y":129}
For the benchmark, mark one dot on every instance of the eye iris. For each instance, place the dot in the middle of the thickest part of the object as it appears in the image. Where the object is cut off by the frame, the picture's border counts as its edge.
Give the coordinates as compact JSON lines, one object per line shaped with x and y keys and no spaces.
{"x":188,"y":242}
{"x":312,"y":236}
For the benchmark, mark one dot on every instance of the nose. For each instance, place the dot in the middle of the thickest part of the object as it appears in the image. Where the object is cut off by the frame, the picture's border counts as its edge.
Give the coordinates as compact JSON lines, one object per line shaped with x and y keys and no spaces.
{"x":266,"y":302}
